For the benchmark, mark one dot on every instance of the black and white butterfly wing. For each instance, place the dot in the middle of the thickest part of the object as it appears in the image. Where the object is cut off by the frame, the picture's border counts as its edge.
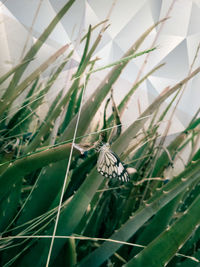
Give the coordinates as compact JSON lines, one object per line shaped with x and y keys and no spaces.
{"x":110,"y":166}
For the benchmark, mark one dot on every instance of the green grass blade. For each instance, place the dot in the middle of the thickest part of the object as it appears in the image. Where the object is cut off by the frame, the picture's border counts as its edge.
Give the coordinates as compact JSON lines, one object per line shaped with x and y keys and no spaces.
{"x":72,"y":103}
{"x":85,"y":50}
{"x":19,"y":115}
{"x":8,"y":207}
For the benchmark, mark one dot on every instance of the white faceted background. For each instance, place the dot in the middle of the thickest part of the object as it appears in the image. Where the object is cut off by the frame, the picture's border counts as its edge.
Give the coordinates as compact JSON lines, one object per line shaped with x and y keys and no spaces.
{"x":176,"y":41}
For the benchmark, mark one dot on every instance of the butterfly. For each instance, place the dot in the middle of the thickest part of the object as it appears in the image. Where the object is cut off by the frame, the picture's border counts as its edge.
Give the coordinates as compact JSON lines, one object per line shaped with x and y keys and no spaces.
{"x":109,"y":164}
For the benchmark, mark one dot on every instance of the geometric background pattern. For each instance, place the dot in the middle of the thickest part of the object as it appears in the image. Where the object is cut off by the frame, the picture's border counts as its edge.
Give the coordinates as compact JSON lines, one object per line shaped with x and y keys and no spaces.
{"x":176,"y":40}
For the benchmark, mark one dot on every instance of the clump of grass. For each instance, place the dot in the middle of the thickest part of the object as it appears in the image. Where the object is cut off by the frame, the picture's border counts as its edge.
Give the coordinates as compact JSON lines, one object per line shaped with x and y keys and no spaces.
{"x":98,"y":220}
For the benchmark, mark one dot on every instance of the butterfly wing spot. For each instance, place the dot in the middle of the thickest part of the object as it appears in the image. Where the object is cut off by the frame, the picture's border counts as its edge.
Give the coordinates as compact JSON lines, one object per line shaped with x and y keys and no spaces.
{"x":120,"y":168}
{"x":109,"y":165}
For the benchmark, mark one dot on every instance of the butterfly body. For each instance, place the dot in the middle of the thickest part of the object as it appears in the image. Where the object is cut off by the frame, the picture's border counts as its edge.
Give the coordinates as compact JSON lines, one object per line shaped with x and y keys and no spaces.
{"x":109,"y":165}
